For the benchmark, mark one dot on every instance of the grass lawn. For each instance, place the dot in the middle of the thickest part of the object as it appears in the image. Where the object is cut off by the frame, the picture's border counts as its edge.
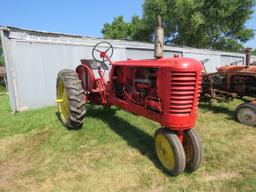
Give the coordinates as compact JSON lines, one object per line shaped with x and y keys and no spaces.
{"x":114,"y":152}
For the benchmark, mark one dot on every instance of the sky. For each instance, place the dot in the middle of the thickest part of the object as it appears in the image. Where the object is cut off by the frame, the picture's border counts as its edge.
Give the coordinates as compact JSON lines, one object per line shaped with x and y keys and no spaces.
{"x":82,"y":17}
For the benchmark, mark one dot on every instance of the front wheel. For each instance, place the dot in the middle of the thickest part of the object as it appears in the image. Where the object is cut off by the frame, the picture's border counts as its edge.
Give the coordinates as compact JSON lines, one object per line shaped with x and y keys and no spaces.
{"x":169,"y":151}
{"x":246,"y":114}
{"x":193,"y":149}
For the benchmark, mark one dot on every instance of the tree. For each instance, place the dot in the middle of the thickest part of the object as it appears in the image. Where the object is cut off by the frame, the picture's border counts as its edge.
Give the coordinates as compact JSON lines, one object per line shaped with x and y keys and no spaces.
{"x":217,"y":24}
{"x":119,"y":29}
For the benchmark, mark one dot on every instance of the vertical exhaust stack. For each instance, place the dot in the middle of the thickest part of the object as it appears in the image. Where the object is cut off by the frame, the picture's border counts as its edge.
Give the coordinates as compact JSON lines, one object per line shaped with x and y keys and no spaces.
{"x":248,"y":57}
{"x":159,"y":39}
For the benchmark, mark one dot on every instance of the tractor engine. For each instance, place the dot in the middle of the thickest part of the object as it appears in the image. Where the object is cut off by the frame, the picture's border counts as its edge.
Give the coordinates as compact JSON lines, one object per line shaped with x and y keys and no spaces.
{"x":137,"y":85}
{"x":244,"y":85}
{"x":164,"y":90}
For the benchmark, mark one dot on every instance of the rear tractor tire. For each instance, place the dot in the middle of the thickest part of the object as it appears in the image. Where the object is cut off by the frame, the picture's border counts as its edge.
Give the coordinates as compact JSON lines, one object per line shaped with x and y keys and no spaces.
{"x":246,"y":114}
{"x":70,"y":99}
{"x":170,"y":151}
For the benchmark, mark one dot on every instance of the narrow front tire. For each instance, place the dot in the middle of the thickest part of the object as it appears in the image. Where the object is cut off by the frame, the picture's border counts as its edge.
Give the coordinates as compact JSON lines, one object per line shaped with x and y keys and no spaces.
{"x":193,"y":150}
{"x":169,"y":151}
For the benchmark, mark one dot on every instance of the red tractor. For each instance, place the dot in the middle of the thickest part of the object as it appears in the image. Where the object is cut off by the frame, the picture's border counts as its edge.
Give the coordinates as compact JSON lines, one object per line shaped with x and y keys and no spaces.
{"x":165,"y":90}
{"x":233,"y":81}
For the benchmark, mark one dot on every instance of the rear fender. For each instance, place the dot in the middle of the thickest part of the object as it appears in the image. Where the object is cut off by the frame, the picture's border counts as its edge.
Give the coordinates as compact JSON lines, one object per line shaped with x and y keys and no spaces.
{"x":86,"y":75}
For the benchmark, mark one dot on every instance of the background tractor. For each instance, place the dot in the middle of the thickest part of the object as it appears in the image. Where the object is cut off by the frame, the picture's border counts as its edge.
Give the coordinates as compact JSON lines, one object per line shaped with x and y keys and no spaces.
{"x":165,"y":90}
{"x":233,"y":81}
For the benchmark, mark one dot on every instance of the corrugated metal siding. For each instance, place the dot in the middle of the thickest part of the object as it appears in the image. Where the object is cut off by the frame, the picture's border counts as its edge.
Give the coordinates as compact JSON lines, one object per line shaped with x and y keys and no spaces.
{"x":253,"y":58}
{"x":135,"y":53}
{"x":8,"y":59}
{"x":227,"y":59}
{"x":34,"y":58}
{"x":38,"y":65}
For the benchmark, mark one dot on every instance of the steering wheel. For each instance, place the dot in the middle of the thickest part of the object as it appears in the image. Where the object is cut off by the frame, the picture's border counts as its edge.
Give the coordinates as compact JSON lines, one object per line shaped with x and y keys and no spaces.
{"x":102,"y":51}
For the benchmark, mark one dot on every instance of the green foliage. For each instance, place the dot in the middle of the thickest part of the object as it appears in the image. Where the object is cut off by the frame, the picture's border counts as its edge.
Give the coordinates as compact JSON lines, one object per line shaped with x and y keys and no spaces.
{"x":137,"y":29}
{"x":1,"y":61}
{"x":217,"y":24}
{"x":1,"y":54}
{"x":119,"y":29}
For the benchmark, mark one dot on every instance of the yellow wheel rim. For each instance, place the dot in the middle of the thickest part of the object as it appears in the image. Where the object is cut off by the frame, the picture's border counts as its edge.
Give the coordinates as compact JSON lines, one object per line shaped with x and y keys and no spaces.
{"x":165,"y":152}
{"x":62,"y":100}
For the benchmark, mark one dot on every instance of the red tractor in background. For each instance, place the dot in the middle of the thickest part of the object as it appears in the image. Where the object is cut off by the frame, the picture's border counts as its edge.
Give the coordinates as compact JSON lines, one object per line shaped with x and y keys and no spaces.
{"x":165,"y":90}
{"x":233,"y":81}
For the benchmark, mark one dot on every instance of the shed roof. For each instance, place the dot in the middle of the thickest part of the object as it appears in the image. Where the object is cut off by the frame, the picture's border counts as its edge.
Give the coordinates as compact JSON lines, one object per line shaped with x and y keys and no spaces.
{"x":126,"y":43}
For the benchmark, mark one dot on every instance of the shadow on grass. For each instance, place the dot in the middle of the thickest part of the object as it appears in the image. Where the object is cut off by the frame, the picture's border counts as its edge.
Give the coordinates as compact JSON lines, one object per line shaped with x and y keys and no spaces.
{"x":217,"y":109}
{"x":134,"y":136}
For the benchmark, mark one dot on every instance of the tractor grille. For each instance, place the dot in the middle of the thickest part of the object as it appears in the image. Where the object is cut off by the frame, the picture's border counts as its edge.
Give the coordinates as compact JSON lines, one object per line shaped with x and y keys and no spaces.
{"x":182,"y":92}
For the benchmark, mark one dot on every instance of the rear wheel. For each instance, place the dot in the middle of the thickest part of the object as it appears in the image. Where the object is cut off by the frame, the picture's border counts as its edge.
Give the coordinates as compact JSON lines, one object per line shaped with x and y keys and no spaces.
{"x":246,"y":114}
{"x":70,"y":99}
{"x":193,"y":150}
{"x":169,"y":151}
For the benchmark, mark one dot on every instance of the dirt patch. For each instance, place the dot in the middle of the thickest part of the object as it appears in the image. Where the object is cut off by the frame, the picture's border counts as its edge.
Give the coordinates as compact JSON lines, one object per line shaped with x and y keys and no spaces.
{"x":158,"y":189}
{"x":10,"y":168}
{"x":22,"y":156}
{"x":220,"y":176}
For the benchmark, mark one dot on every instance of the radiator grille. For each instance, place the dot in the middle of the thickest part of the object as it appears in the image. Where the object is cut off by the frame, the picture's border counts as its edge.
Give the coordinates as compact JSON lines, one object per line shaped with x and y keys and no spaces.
{"x":182,"y":92}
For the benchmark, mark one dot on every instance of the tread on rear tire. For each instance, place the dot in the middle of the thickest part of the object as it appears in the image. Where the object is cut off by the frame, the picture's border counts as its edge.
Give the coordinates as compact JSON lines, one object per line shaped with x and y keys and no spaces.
{"x":74,"y":94}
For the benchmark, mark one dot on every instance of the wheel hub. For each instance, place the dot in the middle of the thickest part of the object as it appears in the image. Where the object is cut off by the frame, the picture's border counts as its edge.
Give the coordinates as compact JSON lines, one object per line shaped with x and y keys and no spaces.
{"x":247,"y":116}
{"x":62,"y":101}
{"x":165,"y":152}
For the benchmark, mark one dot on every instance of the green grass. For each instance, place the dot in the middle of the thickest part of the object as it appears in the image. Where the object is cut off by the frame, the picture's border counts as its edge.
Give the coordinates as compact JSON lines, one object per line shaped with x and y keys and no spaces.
{"x":114,"y":152}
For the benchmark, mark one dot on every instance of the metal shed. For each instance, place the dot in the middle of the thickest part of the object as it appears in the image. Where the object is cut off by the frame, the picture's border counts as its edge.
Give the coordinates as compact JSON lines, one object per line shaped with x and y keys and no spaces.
{"x":33,"y":59}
